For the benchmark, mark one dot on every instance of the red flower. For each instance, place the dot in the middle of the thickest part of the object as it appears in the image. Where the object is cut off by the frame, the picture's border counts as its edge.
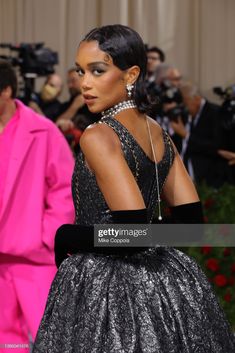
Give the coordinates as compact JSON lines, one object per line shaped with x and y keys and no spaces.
{"x":231,"y":280}
{"x":206,"y":249}
{"x":220,"y":280}
{"x":228,"y":297}
{"x":209,"y":203}
{"x":233,"y":267}
{"x":227,"y":251}
{"x":212,"y":264}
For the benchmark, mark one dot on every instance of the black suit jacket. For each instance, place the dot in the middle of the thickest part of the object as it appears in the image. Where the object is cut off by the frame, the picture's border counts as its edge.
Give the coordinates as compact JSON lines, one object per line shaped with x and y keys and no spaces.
{"x":203,"y":145}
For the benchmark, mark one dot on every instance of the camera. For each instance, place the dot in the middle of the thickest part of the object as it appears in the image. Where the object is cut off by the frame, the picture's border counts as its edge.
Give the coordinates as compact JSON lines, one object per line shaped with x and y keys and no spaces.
{"x":227,"y":93}
{"x":33,"y":60}
{"x":179,"y":111}
{"x":227,"y":110}
{"x":167,"y":94}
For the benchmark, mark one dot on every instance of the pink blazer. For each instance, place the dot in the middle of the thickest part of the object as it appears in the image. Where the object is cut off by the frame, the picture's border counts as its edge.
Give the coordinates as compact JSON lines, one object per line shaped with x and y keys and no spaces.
{"x":37,"y":197}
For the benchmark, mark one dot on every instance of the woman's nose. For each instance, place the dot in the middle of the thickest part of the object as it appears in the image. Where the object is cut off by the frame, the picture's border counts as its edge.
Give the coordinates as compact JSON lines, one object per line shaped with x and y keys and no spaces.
{"x":86,"y":82}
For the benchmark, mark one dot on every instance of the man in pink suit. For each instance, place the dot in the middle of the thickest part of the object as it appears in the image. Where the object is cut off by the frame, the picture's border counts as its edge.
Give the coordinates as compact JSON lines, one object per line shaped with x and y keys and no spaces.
{"x":36,"y":166}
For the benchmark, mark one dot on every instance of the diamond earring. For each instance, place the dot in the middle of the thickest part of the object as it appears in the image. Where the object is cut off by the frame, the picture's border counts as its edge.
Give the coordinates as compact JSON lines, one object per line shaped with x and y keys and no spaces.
{"x":129,"y":88}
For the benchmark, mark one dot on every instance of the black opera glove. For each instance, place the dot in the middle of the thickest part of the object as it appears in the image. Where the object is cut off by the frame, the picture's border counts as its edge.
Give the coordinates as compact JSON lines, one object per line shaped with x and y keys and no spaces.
{"x":75,"y":238}
{"x":70,"y":239}
{"x":189,"y":213}
{"x":129,"y":216}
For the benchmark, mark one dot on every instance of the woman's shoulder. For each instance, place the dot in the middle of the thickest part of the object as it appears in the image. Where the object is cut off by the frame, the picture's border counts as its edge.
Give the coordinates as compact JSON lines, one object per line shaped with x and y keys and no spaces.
{"x":156,"y":130}
{"x":154,"y":123}
{"x":99,"y":136}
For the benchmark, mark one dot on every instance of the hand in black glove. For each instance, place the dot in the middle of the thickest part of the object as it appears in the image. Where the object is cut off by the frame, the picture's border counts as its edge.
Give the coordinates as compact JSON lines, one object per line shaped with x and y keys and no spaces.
{"x":70,"y":238}
{"x":75,"y":238}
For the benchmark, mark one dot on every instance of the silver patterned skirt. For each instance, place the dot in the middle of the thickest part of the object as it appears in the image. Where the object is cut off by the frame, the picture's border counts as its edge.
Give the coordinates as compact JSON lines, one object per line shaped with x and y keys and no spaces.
{"x":157,"y":301}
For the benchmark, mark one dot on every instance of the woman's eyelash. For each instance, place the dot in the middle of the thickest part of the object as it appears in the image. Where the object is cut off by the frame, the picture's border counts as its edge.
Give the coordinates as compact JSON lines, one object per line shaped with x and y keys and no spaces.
{"x":79,"y":71}
{"x":95,"y":71}
{"x":98,"y":71}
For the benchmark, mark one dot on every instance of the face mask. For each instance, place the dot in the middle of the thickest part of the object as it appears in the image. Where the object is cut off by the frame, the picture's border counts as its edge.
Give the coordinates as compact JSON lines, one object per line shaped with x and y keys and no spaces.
{"x":48,"y":92}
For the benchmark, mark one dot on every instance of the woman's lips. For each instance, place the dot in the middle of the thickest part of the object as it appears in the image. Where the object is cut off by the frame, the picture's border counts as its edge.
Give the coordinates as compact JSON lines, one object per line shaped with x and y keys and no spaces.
{"x":88,"y":99}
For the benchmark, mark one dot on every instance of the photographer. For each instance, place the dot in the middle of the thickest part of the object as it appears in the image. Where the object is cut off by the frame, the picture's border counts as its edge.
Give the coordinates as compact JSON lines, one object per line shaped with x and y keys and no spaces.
{"x":171,"y":74}
{"x":155,"y":57}
{"x":34,"y":60}
{"x":175,"y":115}
{"x":46,"y":102}
{"x":170,"y":107}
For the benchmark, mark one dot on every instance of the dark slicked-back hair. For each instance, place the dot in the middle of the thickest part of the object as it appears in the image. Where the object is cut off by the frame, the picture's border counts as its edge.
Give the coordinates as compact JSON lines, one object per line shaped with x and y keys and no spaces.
{"x":7,"y":77}
{"x":126,"y":49}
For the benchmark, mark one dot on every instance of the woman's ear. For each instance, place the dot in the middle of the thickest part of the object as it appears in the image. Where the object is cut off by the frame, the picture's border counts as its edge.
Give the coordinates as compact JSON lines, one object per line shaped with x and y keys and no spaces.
{"x":132,"y":74}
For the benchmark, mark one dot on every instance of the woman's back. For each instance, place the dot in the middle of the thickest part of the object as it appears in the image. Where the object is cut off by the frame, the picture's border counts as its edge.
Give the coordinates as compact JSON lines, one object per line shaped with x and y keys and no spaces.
{"x":86,"y":192}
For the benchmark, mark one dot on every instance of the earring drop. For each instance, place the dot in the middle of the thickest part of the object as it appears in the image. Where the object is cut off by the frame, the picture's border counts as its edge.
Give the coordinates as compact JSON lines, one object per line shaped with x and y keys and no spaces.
{"x":129,"y":88}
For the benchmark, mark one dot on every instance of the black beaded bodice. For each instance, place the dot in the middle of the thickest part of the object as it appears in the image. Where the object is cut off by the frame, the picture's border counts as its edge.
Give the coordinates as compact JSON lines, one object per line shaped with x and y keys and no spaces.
{"x":90,"y":205}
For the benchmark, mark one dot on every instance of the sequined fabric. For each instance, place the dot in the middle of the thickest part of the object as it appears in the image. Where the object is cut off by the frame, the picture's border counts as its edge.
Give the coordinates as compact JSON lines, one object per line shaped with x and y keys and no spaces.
{"x":157,"y":301}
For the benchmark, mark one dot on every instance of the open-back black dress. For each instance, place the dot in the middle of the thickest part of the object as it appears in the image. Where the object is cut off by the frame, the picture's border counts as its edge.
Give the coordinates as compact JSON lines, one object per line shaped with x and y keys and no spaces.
{"x":155,"y":301}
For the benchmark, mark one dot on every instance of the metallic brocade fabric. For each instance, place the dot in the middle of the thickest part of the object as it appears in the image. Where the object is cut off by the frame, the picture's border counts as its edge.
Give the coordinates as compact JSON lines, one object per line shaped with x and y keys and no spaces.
{"x":156,"y":301}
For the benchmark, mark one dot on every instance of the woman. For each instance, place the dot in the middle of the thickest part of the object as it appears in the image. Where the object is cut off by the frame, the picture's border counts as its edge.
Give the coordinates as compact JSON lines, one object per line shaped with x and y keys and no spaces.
{"x":114,"y":300}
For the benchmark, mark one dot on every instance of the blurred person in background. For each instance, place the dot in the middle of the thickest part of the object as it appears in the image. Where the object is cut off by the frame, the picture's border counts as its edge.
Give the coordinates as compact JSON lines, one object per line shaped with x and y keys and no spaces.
{"x":46,"y":102}
{"x":168,"y":74}
{"x":227,"y":132}
{"x":35,"y":198}
{"x":170,"y":103}
{"x":200,"y":137}
{"x":155,"y":57}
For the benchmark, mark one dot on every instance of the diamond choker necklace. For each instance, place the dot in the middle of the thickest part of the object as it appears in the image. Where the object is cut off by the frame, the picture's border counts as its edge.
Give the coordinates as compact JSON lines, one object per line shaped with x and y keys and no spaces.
{"x":118,"y":108}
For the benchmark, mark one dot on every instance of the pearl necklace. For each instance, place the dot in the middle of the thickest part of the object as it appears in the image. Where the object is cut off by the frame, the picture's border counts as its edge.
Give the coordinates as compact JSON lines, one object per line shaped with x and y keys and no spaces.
{"x":118,"y":108}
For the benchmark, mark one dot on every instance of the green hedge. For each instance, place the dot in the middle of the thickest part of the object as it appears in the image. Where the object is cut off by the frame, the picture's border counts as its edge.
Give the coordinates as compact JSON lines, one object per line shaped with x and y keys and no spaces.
{"x":218,"y":262}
